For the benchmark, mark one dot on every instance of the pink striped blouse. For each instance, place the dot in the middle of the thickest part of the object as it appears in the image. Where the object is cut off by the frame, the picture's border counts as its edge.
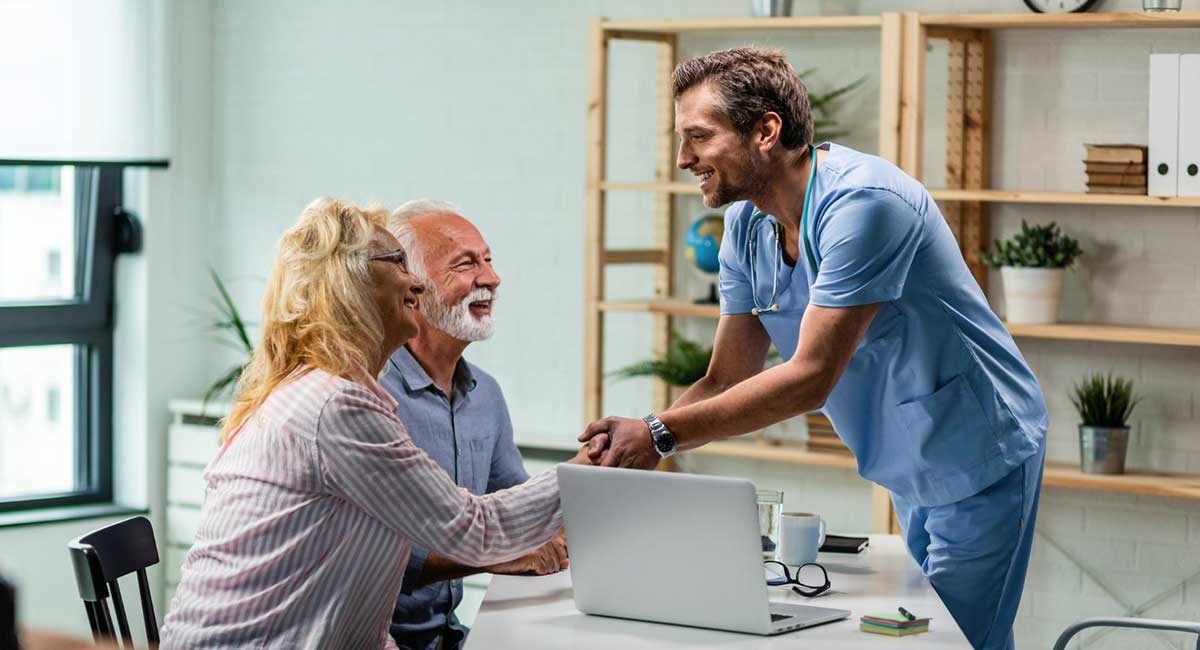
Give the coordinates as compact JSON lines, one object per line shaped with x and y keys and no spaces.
{"x":309,"y":517}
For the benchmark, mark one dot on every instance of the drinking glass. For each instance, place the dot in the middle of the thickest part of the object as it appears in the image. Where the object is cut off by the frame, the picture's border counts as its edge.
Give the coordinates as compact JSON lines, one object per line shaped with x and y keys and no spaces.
{"x":770,"y":507}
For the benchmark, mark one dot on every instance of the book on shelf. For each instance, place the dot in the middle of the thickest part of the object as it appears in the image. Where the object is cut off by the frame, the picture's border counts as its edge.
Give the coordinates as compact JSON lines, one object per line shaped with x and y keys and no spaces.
{"x":1116,"y":189}
{"x":1126,"y":180}
{"x":1113,"y":168}
{"x":1116,"y":153}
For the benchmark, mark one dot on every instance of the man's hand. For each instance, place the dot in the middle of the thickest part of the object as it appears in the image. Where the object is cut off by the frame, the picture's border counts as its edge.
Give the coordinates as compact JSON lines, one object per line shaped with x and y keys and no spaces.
{"x":591,"y":452}
{"x":629,"y":443}
{"x":550,"y":557}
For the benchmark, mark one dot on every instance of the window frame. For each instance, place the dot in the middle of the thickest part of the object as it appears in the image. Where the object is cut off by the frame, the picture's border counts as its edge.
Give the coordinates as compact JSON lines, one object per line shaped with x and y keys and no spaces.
{"x":86,"y":321}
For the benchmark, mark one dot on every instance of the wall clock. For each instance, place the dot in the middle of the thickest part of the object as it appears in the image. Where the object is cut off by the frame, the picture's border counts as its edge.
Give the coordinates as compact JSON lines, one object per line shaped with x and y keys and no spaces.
{"x":1059,"y":6}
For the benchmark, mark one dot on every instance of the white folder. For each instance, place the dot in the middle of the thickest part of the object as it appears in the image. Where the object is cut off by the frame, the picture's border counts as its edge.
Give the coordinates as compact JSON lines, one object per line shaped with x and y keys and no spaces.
{"x":1189,"y":125}
{"x":1164,"y":125}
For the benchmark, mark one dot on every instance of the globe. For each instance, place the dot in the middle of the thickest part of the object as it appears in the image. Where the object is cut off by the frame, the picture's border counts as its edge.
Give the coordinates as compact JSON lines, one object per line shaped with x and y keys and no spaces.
{"x":703,"y":242}
{"x":701,"y":246}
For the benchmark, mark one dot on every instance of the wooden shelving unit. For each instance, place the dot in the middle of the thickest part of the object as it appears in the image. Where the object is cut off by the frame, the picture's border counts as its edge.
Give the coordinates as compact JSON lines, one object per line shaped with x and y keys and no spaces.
{"x":965,"y":200}
{"x":1066,"y":198}
{"x":1109,"y":333}
{"x":1171,"y":336}
{"x":1062,"y":475}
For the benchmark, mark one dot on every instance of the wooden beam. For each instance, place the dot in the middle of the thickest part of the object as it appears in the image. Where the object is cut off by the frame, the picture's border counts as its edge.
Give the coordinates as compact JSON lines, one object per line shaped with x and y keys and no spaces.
{"x":956,"y":83}
{"x":627,"y":35}
{"x":1095,"y":20}
{"x":912,"y":105}
{"x":664,"y":210}
{"x":891,"y":69}
{"x":883,"y":513}
{"x":593,"y":317}
{"x":723,"y":24}
{"x":637,"y":256}
{"x":976,"y":225}
{"x":950,"y":33}
{"x":1065,"y":198}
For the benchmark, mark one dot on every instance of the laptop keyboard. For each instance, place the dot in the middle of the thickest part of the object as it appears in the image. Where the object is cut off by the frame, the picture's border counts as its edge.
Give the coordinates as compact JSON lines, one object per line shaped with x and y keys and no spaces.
{"x":775,"y":618}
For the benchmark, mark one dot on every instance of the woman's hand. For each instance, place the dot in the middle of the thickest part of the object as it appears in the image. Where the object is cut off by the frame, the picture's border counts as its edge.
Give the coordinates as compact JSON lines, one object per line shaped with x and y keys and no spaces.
{"x":592,"y":451}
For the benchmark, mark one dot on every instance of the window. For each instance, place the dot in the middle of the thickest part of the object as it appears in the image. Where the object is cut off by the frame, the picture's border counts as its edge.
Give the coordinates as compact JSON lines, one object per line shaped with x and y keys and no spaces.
{"x":53,"y":267}
{"x":57,"y":225}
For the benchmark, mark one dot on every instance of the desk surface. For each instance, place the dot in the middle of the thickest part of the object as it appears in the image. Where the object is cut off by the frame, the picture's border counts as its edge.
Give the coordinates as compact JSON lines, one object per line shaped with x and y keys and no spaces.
{"x":531,"y":613}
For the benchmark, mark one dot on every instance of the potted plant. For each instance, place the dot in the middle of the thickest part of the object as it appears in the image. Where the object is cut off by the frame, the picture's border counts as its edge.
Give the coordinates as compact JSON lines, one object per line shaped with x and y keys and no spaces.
{"x":1033,"y":267}
{"x":1104,"y":405}
{"x":685,"y":363}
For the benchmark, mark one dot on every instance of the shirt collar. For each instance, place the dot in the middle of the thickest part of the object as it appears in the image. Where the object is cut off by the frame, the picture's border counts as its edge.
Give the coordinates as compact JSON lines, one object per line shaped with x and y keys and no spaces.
{"x":416,"y":379}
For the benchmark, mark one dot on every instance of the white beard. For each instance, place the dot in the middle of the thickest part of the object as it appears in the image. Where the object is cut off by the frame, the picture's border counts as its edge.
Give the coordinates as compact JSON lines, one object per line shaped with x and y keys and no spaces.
{"x":457,"y":320}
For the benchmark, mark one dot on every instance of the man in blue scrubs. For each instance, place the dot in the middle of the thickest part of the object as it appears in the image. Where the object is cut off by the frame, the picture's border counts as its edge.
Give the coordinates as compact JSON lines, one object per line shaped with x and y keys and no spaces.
{"x":846,"y":264}
{"x":453,"y":410}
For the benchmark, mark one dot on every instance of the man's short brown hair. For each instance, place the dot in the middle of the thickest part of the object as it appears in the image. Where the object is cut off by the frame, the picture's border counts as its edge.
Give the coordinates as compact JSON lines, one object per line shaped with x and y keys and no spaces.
{"x":750,"y":82}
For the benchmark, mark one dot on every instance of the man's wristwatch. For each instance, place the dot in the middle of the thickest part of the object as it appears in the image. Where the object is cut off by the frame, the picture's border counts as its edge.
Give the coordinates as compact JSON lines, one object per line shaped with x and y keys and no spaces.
{"x":661,"y":437}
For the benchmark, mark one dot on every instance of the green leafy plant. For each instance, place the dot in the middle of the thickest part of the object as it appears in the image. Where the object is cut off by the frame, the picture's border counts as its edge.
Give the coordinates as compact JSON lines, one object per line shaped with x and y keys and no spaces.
{"x":684,"y":364}
{"x":1103,"y":401}
{"x":1038,"y":247}
{"x":231,"y":331}
{"x":824,"y":123}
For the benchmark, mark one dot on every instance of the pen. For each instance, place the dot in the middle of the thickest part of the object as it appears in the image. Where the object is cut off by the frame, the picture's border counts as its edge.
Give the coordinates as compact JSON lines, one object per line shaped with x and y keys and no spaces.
{"x":907,"y":614}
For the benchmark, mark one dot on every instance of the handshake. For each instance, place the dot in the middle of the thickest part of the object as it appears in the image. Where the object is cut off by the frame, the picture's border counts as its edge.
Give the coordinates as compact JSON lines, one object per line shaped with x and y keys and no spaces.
{"x":617,"y":442}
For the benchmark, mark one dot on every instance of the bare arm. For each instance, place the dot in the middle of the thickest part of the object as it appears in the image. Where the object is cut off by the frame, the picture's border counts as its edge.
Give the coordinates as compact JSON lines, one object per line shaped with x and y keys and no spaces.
{"x":549,"y":558}
{"x":828,"y":338}
{"x":739,"y":351}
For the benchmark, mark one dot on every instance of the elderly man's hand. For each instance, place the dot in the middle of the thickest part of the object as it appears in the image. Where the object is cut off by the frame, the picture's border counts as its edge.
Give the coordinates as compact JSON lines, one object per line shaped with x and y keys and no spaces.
{"x":591,"y":452}
{"x":629,"y":443}
{"x":548,"y":558}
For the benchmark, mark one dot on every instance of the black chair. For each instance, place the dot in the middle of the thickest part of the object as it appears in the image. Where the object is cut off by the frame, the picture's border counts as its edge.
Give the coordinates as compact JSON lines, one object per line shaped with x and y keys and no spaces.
{"x":102,"y":556}
{"x":1136,"y":623}
{"x":8,"y":615}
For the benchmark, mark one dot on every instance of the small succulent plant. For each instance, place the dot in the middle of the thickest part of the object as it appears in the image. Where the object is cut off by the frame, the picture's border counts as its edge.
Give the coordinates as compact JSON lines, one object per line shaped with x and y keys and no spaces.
{"x":1104,"y":401}
{"x":1037,"y":247}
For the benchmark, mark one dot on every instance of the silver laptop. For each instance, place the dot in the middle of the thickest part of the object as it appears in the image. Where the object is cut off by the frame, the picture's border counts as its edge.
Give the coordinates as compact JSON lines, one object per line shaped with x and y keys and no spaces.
{"x":672,"y":548}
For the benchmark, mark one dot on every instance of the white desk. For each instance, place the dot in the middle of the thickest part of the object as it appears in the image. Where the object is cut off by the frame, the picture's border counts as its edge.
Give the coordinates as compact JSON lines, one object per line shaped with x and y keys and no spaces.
{"x":521,"y":612}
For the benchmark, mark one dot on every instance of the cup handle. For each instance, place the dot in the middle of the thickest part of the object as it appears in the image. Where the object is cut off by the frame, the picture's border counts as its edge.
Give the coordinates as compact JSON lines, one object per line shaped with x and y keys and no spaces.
{"x":821,"y":540}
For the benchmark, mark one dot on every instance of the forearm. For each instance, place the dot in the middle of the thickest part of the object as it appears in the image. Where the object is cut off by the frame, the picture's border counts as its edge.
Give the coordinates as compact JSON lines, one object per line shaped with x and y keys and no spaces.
{"x":439,"y":568}
{"x":706,"y":388}
{"x":784,"y":391}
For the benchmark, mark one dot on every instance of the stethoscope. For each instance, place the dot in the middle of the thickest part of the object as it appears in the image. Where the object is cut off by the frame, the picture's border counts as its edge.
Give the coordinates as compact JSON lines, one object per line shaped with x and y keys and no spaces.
{"x":752,"y":246}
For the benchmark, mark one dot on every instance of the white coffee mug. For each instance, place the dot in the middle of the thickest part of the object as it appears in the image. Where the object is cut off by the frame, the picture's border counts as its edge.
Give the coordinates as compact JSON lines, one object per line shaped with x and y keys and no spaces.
{"x":801,"y":534}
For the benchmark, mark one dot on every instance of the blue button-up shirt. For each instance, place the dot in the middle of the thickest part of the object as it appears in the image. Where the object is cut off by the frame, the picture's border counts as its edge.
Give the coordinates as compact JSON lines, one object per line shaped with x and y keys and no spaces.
{"x":470,"y":435}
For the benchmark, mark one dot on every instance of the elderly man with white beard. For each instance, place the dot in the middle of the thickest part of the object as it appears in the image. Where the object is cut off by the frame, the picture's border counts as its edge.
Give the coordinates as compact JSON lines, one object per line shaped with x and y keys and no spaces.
{"x":452,"y":409}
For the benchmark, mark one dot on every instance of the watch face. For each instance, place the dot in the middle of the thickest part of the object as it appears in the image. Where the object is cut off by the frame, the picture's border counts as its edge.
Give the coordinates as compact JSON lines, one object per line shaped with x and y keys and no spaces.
{"x":1059,"y":6}
{"x":663,"y":444}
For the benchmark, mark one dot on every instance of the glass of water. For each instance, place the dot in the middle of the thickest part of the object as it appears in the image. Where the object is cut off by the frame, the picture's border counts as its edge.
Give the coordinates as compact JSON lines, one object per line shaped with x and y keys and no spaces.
{"x":770,"y":508}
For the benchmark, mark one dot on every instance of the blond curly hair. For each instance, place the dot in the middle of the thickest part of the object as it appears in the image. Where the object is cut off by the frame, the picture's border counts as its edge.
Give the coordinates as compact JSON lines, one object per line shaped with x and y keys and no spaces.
{"x":317,"y":311}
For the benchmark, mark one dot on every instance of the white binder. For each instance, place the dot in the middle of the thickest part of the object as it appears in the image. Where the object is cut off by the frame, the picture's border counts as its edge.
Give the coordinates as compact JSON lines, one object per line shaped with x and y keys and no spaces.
{"x":1164,"y":125}
{"x":1189,"y":125}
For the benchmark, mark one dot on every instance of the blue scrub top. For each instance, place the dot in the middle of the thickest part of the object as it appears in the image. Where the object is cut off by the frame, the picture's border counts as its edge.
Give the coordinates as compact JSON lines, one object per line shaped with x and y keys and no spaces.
{"x":937,"y":403}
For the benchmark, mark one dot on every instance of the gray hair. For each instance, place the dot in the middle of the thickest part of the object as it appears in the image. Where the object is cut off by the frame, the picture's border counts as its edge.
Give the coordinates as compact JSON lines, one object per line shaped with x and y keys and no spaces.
{"x":402,"y":230}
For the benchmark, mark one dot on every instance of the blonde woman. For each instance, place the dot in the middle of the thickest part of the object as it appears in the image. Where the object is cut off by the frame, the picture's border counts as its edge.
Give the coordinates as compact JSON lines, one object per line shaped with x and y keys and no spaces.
{"x":317,"y":493}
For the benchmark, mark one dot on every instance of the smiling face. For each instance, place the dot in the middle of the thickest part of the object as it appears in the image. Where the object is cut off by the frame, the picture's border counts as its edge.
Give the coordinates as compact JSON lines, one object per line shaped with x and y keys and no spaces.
{"x":462,"y":282}
{"x":711,"y":148}
{"x":396,"y":293}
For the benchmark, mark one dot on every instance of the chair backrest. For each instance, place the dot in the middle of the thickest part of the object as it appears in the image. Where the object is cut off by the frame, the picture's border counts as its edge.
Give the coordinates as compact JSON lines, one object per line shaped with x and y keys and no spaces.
{"x":100,"y":558}
{"x":8,"y":614}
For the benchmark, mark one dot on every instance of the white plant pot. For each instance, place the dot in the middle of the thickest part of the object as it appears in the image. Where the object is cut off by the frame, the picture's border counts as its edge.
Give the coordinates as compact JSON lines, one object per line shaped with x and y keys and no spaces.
{"x":1032,"y":295}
